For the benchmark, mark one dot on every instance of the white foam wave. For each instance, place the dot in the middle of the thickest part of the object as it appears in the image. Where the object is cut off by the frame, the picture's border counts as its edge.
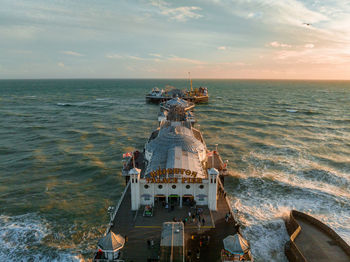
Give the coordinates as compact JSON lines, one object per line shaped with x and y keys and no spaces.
{"x":22,"y":239}
{"x":262,"y":204}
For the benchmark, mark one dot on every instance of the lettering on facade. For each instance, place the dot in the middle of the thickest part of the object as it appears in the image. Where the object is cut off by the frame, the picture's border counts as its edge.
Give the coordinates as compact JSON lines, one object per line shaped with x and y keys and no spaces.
{"x":155,"y":176}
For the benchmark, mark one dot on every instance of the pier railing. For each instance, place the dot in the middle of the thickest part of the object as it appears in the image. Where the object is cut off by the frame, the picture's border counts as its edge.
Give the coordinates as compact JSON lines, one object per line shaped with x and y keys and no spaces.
{"x":227,"y":202}
{"x":117,"y":208}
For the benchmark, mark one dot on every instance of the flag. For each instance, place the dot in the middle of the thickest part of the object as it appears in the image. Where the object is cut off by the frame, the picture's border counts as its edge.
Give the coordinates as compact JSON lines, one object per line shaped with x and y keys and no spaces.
{"x":128,"y":154}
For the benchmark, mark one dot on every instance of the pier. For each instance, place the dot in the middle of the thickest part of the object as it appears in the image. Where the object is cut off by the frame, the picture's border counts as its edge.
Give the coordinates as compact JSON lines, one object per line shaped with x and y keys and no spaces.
{"x":139,"y":229}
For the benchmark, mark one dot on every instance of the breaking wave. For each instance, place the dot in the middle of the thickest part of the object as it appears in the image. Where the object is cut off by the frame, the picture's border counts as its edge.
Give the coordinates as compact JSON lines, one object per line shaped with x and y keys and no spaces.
{"x":22,"y":237}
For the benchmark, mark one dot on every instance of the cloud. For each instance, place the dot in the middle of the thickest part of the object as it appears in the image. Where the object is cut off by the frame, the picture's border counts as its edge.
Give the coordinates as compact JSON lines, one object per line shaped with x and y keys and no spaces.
{"x":72,"y":53}
{"x":309,"y":46}
{"x":186,"y":60}
{"x":118,"y":56}
{"x":135,"y":57}
{"x":278,"y":44}
{"x":324,"y":56}
{"x":255,"y":15}
{"x":156,"y":55}
{"x":113,"y":56}
{"x":222,"y":48}
{"x":182,"y":13}
{"x":60,"y":64}
{"x":278,"y":13}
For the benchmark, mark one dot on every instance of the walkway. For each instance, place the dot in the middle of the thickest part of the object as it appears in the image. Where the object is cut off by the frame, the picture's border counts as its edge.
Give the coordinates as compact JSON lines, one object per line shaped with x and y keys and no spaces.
{"x":139,"y":229}
{"x":316,"y":245}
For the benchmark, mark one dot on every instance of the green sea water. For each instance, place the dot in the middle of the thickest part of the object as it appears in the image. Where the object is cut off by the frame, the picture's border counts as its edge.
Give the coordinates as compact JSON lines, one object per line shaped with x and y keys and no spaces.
{"x":61,"y":146}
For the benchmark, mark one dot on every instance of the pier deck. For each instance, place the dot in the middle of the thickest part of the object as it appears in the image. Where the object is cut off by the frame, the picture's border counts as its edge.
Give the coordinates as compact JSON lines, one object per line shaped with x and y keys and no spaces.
{"x":139,"y":229}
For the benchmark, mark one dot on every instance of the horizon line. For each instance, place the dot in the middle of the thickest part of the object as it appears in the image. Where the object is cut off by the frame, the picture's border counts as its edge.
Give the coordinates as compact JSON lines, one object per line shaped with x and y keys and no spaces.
{"x":175,"y":78}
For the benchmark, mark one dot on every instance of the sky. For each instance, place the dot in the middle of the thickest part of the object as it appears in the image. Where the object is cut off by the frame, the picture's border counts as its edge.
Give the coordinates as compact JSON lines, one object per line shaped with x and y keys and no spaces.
{"x":257,"y":39}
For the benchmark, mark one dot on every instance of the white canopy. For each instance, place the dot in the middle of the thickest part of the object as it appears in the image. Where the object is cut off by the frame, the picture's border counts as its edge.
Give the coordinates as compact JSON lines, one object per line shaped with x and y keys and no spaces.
{"x":111,"y":242}
{"x":236,"y":244}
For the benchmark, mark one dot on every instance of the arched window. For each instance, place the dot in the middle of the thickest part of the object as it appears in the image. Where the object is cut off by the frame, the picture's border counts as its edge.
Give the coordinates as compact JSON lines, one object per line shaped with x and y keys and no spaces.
{"x":146,"y":186}
{"x":173,"y":186}
{"x":160,"y":186}
{"x":188,"y":186}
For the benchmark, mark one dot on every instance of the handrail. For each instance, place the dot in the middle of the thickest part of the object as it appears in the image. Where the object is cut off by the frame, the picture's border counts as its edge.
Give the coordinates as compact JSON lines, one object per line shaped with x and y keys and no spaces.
{"x":117,"y":208}
{"x":228,"y":202}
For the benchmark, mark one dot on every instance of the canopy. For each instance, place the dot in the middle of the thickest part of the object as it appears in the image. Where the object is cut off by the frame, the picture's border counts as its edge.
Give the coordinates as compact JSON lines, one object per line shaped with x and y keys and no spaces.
{"x":111,"y":242}
{"x":236,"y":244}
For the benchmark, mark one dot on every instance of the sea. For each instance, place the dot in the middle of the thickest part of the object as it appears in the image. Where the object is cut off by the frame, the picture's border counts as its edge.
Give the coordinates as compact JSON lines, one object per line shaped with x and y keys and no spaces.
{"x":61,"y":144}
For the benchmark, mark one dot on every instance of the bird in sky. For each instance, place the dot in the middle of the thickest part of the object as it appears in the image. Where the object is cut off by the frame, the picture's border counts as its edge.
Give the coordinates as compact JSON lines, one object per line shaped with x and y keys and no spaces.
{"x":308,"y":24}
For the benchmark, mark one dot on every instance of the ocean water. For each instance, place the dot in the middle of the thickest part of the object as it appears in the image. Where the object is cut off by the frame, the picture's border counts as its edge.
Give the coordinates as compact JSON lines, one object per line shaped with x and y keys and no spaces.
{"x":61,"y":146}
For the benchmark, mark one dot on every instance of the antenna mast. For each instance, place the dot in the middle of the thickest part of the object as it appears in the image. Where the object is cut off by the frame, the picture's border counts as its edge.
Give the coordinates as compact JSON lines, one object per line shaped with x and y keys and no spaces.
{"x":189,"y":75}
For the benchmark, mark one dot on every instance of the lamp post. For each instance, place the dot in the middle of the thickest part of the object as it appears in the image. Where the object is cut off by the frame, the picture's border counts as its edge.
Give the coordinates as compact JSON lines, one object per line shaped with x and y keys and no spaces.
{"x":110,"y":211}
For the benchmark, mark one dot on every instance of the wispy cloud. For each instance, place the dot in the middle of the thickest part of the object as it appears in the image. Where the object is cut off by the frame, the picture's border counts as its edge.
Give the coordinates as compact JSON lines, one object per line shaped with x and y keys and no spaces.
{"x":72,"y":53}
{"x":222,"y":48}
{"x":309,"y":45}
{"x":278,"y":44}
{"x":134,"y":57}
{"x":119,"y":56}
{"x":60,"y":64}
{"x":276,"y":12}
{"x":156,"y":55}
{"x":324,"y":56}
{"x":182,"y":13}
{"x":113,"y":56}
{"x":186,"y":60}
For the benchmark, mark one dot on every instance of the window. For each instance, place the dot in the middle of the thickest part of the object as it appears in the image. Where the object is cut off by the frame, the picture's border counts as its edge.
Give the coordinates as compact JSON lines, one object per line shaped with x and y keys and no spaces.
{"x":160,"y":186}
{"x":132,"y":180}
{"x":201,"y":186}
{"x":146,"y":186}
{"x":173,"y":186}
{"x":188,"y":186}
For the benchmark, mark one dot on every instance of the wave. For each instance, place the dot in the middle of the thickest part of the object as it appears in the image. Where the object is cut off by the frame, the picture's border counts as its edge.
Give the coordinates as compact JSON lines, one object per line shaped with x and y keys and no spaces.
{"x":87,"y":104}
{"x":64,"y":104}
{"x":262,"y":205}
{"x":22,"y":237}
